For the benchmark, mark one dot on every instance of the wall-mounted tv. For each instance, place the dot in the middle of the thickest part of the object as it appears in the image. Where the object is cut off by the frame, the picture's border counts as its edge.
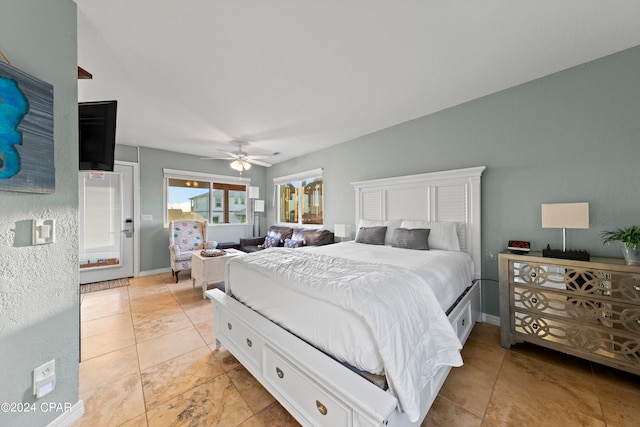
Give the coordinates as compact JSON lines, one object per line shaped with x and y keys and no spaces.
{"x":97,"y":129}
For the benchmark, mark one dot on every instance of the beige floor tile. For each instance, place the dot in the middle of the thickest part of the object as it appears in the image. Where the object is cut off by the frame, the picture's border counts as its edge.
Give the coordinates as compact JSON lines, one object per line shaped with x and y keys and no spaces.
{"x":156,"y":311}
{"x":486,"y":333}
{"x":154,"y":328}
{"x":108,"y":368}
{"x":206,"y":331}
{"x":113,"y":403}
{"x":143,"y":292}
{"x":97,"y":307}
{"x":201,"y":313}
{"x":169,"y":379}
{"x":276,"y":415}
{"x":470,"y":388}
{"x":103,"y":325}
{"x":526,"y":384}
{"x":228,"y":360}
{"x":215,"y":403}
{"x":185,"y":381}
{"x":619,"y":393}
{"x":107,"y":342}
{"x":444,"y":413}
{"x":256,"y":396}
{"x":139,"y":421}
{"x":161,"y":349}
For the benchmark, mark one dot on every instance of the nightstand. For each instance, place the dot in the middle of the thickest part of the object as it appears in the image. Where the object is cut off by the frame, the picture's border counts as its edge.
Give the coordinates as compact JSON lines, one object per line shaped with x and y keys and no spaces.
{"x":590,"y":309}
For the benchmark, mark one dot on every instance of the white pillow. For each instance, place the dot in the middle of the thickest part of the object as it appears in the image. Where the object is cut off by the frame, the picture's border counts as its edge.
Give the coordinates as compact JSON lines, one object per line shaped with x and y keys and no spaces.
{"x":391,"y":225}
{"x":443,"y":235}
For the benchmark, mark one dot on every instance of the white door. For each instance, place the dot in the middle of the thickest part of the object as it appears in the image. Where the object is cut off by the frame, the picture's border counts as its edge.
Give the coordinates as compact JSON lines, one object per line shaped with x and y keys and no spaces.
{"x":106,"y":224}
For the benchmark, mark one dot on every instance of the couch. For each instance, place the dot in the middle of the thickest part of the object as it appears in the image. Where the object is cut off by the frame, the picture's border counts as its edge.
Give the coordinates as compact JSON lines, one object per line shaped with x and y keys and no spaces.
{"x":279,"y":235}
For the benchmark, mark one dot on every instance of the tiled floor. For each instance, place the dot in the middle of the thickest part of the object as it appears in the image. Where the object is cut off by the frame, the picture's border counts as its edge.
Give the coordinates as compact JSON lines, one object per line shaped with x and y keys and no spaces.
{"x":148,"y":359}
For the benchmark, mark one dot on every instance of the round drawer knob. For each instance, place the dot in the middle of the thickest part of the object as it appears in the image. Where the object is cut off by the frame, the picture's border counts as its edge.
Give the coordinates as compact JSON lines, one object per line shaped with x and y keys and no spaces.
{"x":229,"y":326}
{"x":321,"y":408}
{"x":280,"y":373}
{"x":249,"y":343}
{"x":533,"y":274}
{"x":534,"y":326}
{"x":636,"y":287}
{"x":534,"y":300}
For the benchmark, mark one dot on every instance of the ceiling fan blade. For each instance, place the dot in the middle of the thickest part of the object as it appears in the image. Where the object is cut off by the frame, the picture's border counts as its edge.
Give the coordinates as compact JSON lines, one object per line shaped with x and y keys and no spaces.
{"x":258,"y":162}
{"x":217,"y":158}
{"x":232,"y":154}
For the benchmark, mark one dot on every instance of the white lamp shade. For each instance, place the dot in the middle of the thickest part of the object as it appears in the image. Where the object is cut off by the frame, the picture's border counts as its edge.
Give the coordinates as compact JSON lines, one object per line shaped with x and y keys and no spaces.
{"x":565,"y":215}
{"x":254,"y":192}
{"x":258,"y":206}
{"x":342,"y":230}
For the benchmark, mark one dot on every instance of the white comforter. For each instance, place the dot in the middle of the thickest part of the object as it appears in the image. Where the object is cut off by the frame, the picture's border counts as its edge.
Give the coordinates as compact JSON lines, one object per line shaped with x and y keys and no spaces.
{"x":413,"y":334}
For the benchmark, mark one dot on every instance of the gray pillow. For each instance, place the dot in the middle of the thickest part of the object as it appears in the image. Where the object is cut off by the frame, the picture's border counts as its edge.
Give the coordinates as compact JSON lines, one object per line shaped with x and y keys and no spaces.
{"x":415,"y":238}
{"x":371,"y":235}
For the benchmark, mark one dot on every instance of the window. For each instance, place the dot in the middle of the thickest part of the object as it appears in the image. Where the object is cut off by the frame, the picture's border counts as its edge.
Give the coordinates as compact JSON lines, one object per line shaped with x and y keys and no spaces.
{"x":301,"y":198}
{"x":197,"y":196}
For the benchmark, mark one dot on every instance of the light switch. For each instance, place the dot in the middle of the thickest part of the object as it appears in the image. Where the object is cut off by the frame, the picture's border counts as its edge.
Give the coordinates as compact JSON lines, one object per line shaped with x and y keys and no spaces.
{"x":43,"y":231}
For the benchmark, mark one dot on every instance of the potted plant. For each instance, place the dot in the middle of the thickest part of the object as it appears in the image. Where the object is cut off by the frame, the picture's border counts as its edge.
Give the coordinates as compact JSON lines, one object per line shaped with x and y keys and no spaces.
{"x":629,"y":239}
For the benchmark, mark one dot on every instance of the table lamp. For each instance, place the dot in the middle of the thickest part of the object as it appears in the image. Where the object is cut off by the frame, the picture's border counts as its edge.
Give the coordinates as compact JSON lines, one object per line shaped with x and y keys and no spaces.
{"x":565,"y":215}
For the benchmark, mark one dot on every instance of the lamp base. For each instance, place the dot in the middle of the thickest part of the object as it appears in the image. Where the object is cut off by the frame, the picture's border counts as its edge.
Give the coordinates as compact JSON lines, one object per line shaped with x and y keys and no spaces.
{"x":577,"y":255}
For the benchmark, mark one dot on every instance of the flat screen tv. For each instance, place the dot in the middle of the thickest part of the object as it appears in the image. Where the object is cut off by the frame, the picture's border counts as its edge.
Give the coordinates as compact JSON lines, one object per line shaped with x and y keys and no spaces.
{"x":97,"y":126}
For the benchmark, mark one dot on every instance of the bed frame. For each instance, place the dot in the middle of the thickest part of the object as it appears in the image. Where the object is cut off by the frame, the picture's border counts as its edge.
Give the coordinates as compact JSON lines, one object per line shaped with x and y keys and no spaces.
{"x":312,"y":386}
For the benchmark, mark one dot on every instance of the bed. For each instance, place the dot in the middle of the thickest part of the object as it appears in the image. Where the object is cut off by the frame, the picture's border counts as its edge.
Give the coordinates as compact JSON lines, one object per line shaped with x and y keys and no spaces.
{"x":279,"y":318}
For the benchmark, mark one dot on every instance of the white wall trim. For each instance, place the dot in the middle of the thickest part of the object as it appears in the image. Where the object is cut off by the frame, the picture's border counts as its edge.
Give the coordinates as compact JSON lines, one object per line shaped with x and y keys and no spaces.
{"x":491,"y":319}
{"x":68,"y":418}
{"x":136,"y":214}
{"x":300,"y":176}
{"x":153,"y":272}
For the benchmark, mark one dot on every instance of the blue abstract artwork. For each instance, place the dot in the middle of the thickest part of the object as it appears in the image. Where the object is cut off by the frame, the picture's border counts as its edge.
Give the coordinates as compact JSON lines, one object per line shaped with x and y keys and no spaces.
{"x":26,"y":133}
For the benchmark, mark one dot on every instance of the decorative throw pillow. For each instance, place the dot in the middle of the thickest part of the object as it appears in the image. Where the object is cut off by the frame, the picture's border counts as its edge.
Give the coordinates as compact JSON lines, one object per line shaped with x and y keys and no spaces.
{"x":443,"y":235}
{"x":291,"y":243}
{"x":271,"y":242}
{"x":416,"y":238}
{"x":371,"y":235}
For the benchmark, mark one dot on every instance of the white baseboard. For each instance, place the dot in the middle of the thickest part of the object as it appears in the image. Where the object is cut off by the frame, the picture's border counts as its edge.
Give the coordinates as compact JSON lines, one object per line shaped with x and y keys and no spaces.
{"x":152,"y":272}
{"x":491,"y":319}
{"x":68,"y":418}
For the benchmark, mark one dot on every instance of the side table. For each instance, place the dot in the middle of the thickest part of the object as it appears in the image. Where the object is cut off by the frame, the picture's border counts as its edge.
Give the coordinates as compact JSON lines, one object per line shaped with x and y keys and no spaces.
{"x":209,"y":270}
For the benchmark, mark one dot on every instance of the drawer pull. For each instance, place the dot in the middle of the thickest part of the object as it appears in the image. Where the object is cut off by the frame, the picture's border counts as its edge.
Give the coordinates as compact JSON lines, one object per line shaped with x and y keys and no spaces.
{"x":229,"y":326}
{"x":249,"y":343}
{"x":464,"y":321}
{"x":279,"y":372}
{"x":636,"y":287}
{"x":321,"y":408}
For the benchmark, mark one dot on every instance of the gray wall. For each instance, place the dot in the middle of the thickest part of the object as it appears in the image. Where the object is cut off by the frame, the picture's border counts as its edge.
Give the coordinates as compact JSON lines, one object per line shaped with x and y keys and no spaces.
{"x":570,"y":137}
{"x":39,"y":284}
{"x":154,"y":238}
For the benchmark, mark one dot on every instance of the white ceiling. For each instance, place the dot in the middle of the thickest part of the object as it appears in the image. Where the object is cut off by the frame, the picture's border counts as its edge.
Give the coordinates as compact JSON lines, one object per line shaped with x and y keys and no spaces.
{"x":296,"y":76}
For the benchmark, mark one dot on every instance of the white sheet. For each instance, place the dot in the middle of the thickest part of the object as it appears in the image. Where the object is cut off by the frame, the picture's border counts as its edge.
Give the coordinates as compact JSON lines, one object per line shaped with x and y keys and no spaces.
{"x":412,"y":346}
{"x":448,"y":273}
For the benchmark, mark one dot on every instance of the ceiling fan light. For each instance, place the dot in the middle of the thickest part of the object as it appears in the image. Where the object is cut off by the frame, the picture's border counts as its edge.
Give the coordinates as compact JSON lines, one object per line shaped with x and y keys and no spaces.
{"x":237,"y":165}
{"x":246,"y":165}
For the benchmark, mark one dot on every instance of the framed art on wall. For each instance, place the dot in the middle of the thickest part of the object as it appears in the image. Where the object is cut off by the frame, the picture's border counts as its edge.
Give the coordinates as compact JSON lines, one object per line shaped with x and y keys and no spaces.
{"x":26,"y":132}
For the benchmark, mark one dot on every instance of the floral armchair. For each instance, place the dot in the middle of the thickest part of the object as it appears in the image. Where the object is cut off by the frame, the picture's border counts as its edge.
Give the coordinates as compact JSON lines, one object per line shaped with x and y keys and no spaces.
{"x":186,"y":237}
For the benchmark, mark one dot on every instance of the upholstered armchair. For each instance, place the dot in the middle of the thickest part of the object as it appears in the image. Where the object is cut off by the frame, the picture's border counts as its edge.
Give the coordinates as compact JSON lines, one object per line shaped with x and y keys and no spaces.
{"x":186,"y":237}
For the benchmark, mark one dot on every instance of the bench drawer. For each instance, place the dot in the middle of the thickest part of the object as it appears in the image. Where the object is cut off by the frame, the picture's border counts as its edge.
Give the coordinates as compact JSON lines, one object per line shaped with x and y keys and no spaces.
{"x":243,"y":337}
{"x":319,"y":406}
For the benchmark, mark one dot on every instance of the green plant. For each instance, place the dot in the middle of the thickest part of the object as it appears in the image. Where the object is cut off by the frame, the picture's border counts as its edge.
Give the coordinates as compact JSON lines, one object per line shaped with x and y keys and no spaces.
{"x":630,"y":236}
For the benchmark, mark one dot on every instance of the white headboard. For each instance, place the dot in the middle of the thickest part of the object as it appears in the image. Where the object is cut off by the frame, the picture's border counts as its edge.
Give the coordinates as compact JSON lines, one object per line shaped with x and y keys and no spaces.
{"x":446,"y":196}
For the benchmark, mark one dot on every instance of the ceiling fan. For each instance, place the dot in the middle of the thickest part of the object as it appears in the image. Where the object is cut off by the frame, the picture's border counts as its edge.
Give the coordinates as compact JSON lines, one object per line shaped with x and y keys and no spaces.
{"x":242,"y":160}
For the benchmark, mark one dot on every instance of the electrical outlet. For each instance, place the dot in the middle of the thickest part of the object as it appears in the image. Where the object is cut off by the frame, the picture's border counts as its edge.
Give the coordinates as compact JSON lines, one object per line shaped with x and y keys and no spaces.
{"x":44,"y":378}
